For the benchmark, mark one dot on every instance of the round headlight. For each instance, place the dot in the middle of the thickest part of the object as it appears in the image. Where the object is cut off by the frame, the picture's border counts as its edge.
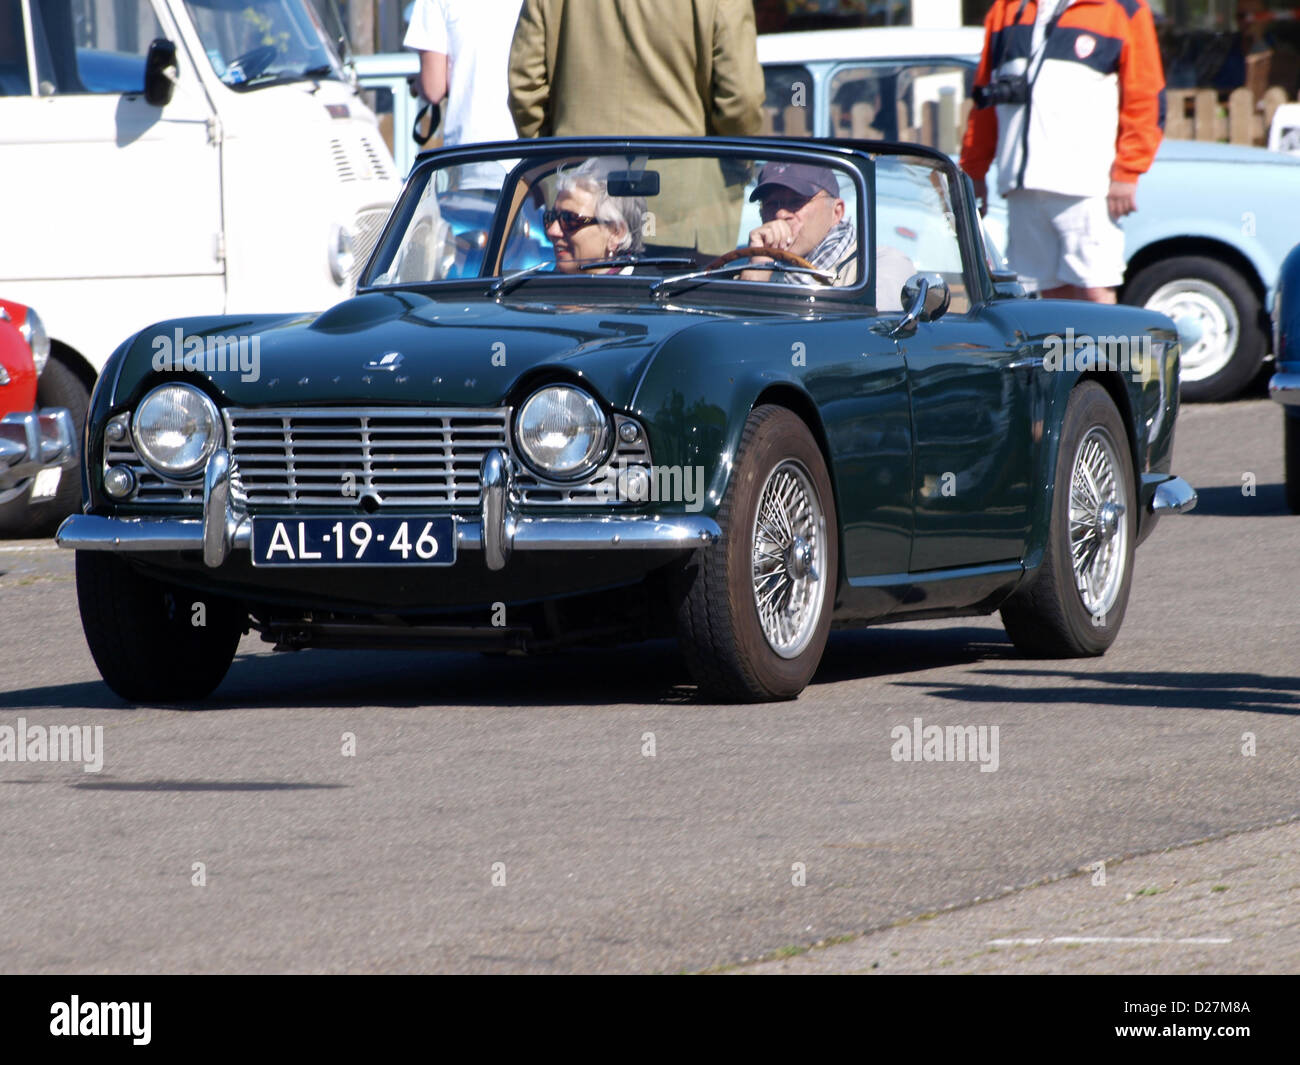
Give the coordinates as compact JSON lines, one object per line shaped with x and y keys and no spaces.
{"x":33,"y":331}
{"x":176,"y":429}
{"x":562,"y":433}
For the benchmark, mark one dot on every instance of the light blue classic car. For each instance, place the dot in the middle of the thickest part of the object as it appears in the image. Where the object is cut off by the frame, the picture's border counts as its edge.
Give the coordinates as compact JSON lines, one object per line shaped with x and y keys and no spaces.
{"x":1214,"y":221}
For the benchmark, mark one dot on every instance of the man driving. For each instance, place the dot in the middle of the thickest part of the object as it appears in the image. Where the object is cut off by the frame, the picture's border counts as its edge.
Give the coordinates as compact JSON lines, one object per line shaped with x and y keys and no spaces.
{"x":803,"y":214}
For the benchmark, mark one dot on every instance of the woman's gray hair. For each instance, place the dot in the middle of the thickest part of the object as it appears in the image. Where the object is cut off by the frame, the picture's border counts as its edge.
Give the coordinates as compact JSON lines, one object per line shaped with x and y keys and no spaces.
{"x":626,"y":213}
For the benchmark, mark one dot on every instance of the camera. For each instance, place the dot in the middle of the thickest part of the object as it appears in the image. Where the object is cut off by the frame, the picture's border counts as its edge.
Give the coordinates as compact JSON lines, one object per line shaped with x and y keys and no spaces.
{"x":1004,"y":89}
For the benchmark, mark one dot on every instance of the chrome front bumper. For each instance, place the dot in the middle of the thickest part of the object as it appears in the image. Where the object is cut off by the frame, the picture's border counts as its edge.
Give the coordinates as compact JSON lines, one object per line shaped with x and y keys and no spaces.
{"x":32,"y":441}
{"x":226,"y":527}
{"x":1284,"y":388}
{"x":1174,"y":496}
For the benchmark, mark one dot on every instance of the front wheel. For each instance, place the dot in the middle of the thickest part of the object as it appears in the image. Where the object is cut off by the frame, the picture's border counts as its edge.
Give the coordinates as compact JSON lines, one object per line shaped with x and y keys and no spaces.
{"x":154,"y":642}
{"x":1074,"y":604}
{"x":756,"y":611}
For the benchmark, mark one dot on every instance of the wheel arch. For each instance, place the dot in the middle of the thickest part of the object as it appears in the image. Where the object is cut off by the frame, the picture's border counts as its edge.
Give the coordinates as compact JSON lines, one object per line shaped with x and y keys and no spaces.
{"x":801,"y":405}
{"x":1209,"y":248}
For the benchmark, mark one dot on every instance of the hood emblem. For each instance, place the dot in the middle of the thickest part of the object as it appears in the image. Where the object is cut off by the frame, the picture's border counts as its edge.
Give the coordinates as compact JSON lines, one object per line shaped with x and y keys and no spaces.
{"x":389,"y":362}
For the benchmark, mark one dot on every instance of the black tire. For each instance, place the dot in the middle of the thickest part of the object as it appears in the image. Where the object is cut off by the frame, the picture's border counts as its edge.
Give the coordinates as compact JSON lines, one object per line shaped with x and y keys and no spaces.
{"x":718,"y":625}
{"x":59,"y":386}
{"x":1215,"y":283}
{"x":1291,"y":444}
{"x":1048,"y":617}
{"x":142,"y":635}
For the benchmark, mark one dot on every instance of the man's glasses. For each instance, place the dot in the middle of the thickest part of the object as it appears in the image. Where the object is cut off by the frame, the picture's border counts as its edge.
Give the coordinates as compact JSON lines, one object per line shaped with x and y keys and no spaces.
{"x":570,"y":221}
{"x":794,"y":204}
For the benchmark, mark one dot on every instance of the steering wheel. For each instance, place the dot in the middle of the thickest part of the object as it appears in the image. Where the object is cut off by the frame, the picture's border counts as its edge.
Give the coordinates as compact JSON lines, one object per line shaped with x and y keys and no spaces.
{"x":779,"y":254}
{"x":255,"y":60}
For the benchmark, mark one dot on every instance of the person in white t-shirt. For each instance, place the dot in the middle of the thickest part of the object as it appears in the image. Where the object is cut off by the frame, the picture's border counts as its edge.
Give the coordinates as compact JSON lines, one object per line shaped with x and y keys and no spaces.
{"x":464,"y":48}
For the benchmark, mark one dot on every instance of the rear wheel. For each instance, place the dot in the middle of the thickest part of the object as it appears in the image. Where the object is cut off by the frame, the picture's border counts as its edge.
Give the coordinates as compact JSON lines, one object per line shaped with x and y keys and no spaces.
{"x":756,"y":613}
{"x":1224,"y":306}
{"x":1292,"y":445}
{"x":154,"y":642}
{"x":1074,"y":605}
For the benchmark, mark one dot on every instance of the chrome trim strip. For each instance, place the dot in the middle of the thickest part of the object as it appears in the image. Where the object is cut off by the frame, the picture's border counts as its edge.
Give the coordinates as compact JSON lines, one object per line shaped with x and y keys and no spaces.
{"x":1284,"y":388}
{"x":1174,"y":496}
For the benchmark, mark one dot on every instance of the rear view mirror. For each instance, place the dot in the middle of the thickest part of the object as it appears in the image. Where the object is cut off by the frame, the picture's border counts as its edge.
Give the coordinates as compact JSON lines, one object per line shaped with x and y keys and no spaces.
{"x":634,"y":182}
{"x":160,"y":72}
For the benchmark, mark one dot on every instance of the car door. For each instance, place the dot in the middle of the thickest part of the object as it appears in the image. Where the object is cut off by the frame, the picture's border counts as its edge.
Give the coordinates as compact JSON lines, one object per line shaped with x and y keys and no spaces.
{"x":969,"y":391}
{"x":100,"y":183}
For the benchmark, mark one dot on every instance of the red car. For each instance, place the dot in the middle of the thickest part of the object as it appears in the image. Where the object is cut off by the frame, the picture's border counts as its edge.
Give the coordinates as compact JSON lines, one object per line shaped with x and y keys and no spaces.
{"x":36,"y":445}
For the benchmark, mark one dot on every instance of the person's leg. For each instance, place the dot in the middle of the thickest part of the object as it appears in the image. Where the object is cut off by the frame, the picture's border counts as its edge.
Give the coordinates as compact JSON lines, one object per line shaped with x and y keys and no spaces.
{"x":1033,"y":245}
{"x":1092,"y":250}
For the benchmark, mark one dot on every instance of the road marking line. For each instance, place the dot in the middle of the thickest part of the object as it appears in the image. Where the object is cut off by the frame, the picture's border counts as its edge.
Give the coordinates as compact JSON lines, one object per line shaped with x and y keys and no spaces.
{"x":1098,"y":939}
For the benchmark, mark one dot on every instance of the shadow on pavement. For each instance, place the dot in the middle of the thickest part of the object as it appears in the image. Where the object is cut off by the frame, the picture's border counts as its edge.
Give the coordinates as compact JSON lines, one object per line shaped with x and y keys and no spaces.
{"x":1251,"y":692}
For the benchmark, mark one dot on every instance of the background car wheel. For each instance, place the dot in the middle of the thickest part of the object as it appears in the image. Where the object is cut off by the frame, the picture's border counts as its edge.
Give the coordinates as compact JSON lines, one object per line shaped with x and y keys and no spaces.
{"x":1075,"y":603}
{"x":755,"y":615}
{"x":58,"y":387}
{"x":1221,"y":301}
{"x":143,"y":637}
{"x":1291,"y":434}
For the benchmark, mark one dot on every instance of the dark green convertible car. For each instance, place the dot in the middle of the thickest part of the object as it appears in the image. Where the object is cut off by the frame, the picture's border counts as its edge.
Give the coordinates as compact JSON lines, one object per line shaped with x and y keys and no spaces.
{"x":603,"y":390}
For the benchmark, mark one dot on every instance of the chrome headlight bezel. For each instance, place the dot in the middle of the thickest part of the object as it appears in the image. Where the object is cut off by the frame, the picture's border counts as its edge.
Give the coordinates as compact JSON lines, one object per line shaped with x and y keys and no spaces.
{"x":594,"y":456}
{"x":33,"y":332}
{"x":191,"y":470}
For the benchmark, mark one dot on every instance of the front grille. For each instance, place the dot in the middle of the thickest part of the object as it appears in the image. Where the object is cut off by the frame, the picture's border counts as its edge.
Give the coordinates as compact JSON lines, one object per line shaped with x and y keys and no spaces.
{"x":336,"y":457}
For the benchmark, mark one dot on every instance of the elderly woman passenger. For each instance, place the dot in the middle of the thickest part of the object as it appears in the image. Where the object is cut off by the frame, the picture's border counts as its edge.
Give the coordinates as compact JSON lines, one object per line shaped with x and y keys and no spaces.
{"x":588,"y":225}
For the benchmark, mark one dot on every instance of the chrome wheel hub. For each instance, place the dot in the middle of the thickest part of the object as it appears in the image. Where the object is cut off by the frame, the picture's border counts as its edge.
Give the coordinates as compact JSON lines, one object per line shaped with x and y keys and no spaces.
{"x":1213,"y":311}
{"x":1098,"y":531}
{"x":788,"y":564}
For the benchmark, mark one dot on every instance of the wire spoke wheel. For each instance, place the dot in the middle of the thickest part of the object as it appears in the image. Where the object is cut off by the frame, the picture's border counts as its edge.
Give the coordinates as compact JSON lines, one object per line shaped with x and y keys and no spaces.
{"x":1098,"y":533}
{"x":788,"y":569}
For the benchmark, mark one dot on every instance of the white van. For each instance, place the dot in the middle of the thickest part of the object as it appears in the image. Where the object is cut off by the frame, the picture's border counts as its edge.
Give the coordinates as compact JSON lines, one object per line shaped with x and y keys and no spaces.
{"x":177,"y":157}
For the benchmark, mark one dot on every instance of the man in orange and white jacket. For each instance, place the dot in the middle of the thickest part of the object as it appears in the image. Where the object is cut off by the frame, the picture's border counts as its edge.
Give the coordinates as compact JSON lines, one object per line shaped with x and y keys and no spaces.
{"x":1073,"y":98}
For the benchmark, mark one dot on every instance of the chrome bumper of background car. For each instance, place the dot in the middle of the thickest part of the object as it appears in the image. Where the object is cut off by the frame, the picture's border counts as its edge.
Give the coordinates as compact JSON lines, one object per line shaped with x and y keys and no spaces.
{"x":1174,"y":496}
{"x":31,"y":441}
{"x":225,"y":526}
{"x":1284,"y":388}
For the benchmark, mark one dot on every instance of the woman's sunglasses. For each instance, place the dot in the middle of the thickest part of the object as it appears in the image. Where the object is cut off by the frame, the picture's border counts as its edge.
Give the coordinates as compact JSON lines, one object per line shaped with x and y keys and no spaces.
{"x":570,"y":221}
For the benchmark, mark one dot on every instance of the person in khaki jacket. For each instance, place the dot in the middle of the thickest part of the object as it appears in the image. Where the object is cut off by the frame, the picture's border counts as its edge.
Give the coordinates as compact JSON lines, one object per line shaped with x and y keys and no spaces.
{"x":647,"y":67}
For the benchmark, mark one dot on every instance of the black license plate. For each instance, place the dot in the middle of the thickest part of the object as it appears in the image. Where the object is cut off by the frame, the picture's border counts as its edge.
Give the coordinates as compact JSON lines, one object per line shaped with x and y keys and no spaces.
{"x":354,"y":541}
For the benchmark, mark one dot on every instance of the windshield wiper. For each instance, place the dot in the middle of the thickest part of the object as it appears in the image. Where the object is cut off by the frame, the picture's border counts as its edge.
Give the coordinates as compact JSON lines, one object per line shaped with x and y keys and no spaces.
{"x":261,"y":81}
{"x":505,"y":284}
{"x":661,"y":289}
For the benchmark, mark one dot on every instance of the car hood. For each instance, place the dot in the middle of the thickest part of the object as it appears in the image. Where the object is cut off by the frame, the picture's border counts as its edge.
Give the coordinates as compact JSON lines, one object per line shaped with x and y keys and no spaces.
{"x":404,"y":347}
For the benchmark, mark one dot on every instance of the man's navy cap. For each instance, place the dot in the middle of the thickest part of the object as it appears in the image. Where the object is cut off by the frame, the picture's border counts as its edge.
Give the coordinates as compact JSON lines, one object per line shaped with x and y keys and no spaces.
{"x":802,"y":178}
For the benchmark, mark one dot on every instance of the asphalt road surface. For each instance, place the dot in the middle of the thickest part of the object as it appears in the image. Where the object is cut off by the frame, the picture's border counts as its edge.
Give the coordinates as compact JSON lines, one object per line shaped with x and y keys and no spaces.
{"x":503,"y":815}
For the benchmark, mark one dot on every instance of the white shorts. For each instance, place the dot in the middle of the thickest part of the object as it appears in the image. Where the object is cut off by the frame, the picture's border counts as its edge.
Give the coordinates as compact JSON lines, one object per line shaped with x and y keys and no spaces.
{"x":1063,"y":240}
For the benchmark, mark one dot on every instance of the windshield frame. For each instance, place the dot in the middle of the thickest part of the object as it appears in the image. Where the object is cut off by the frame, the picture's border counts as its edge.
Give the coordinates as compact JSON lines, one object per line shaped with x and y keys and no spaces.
{"x":842,"y":158}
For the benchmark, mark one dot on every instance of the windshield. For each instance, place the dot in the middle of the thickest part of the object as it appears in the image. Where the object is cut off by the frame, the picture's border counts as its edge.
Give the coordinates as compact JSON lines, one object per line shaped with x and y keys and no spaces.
{"x":253,"y":43}
{"x":787,"y":221}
